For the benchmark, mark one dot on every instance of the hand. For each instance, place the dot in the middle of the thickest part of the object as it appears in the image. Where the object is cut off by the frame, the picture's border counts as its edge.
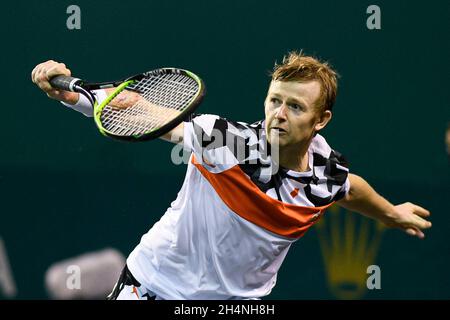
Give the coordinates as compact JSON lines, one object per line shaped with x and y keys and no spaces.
{"x":43,"y":72}
{"x":410,"y":218}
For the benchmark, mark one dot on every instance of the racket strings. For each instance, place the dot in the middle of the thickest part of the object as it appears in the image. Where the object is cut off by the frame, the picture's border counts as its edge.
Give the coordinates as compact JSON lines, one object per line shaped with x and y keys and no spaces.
{"x":140,"y":116}
{"x":162,"y":98}
{"x":174,"y":87}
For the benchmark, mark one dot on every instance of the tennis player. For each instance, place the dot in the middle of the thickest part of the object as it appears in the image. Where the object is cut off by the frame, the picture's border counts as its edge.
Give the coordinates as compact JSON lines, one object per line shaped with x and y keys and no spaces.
{"x":250,"y":191}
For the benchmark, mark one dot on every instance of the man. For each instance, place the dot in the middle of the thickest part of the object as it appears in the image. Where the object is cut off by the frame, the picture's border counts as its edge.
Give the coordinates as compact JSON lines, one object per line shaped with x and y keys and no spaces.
{"x":250,"y":192}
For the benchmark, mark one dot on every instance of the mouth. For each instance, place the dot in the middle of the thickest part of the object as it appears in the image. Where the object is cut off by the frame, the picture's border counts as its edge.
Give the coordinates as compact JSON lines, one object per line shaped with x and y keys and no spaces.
{"x":279,"y":130}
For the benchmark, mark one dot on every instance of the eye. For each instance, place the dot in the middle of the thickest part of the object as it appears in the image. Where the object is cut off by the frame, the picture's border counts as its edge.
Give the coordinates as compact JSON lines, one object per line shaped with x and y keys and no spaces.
{"x":296,"y":107}
{"x":274,"y":100}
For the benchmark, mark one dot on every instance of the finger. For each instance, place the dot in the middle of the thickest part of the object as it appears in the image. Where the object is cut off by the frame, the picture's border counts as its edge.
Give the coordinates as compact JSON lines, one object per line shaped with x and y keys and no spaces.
{"x":54,"y":94}
{"x":421,"y":211}
{"x":33,"y":72}
{"x":43,"y":83}
{"x":56,"y":70}
{"x":36,"y":71}
{"x":36,"y":74}
{"x":421,"y":223}
{"x":46,"y":72}
{"x":411,"y":231}
{"x":420,"y":234}
{"x":45,"y":86}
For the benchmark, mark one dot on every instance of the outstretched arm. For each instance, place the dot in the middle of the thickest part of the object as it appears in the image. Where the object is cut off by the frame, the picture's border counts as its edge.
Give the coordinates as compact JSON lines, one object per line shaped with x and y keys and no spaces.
{"x":43,"y":72}
{"x":362,"y":198}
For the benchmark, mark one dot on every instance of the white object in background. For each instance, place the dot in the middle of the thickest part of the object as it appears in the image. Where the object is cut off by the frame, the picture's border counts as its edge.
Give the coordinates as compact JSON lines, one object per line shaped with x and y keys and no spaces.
{"x":88,"y":276}
{"x":7,"y":285}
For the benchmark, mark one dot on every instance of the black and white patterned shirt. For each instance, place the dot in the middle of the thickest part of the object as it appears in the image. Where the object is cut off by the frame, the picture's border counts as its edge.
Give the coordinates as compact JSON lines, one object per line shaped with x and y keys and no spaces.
{"x":223,"y":144}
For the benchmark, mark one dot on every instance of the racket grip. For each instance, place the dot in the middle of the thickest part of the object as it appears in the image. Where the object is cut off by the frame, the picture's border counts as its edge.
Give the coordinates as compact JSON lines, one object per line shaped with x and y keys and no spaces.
{"x":64,"y":82}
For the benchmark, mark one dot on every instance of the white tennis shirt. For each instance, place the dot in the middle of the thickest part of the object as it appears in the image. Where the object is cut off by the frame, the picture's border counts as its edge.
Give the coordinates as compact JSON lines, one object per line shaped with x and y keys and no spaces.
{"x":236,"y":215}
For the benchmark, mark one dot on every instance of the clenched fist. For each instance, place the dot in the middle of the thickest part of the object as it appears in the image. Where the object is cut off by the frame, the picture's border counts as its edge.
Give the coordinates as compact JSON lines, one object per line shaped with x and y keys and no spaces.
{"x":43,"y":72}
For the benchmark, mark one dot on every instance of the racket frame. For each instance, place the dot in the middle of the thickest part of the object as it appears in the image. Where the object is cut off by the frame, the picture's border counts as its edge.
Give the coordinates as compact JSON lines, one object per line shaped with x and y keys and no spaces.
{"x":120,"y":86}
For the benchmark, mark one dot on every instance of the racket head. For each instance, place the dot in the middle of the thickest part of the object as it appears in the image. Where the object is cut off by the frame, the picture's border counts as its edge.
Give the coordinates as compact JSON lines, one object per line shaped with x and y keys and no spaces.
{"x":148,"y":105}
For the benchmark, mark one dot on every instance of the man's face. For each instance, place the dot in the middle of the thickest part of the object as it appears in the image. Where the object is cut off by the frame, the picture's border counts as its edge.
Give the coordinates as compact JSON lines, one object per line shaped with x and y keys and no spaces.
{"x":290,"y":112}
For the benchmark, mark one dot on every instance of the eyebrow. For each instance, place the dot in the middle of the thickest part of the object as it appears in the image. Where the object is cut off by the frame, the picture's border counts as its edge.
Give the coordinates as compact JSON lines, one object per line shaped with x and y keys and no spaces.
{"x":291,"y":100}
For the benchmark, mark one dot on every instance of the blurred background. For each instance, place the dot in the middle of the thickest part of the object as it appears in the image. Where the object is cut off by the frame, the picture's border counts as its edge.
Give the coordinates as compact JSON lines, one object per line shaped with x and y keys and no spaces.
{"x":69,"y":194}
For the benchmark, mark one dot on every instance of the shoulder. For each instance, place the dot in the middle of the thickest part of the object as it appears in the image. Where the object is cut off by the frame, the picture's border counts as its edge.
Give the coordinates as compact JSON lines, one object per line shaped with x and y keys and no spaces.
{"x":210,"y":122}
{"x":323,"y":153}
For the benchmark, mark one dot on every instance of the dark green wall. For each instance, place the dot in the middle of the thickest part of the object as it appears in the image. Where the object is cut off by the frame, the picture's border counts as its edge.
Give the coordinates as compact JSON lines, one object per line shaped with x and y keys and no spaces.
{"x":65,"y":189}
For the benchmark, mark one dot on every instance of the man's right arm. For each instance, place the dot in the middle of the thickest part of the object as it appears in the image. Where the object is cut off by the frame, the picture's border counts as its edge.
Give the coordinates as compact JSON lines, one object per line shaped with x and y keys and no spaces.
{"x":43,"y":72}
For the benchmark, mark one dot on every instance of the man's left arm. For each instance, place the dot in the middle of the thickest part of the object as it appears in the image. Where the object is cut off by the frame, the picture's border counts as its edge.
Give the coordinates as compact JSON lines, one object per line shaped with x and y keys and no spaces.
{"x":362,"y":198}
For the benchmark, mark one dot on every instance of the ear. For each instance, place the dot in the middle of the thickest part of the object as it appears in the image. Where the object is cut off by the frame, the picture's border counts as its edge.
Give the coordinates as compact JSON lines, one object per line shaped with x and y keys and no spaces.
{"x":323,"y":120}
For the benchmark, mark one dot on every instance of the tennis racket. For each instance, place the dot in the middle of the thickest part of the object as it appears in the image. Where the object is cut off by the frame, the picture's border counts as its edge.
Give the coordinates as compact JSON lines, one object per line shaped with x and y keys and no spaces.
{"x":141,"y":107}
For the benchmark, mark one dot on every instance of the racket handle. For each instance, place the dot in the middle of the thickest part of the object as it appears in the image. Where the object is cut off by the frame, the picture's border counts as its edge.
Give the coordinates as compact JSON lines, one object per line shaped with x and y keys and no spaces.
{"x":64,"y":82}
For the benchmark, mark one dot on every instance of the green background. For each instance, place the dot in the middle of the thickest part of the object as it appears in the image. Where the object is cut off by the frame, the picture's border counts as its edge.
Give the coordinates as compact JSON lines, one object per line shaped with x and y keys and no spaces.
{"x":65,"y":189}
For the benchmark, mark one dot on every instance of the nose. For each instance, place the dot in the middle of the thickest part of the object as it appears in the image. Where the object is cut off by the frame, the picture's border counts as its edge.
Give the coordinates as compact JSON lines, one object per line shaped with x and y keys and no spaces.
{"x":281,"y":112}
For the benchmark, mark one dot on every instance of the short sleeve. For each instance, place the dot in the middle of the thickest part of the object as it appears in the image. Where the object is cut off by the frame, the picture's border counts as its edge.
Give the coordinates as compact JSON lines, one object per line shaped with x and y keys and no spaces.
{"x":343,"y":191}
{"x":340,"y":175}
{"x":218,"y":141}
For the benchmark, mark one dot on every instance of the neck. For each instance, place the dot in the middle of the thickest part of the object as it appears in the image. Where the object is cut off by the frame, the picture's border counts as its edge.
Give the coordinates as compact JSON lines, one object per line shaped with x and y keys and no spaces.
{"x":295,"y":158}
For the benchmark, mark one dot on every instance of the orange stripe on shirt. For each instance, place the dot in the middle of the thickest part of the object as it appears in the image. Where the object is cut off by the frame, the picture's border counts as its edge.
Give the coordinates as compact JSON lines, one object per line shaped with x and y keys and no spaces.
{"x":244,"y":198}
